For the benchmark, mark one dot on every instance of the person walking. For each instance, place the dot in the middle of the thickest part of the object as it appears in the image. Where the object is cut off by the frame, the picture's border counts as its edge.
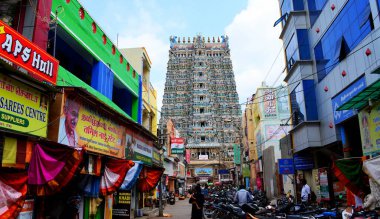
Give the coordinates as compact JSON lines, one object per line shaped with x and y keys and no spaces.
{"x":305,"y":192}
{"x":242,"y":196}
{"x":197,"y":200}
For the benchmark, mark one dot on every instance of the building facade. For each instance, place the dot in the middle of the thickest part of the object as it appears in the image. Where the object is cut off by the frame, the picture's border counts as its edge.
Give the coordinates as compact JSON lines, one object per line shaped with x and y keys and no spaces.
{"x":200,"y":97}
{"x":267,"y":120}
{"x":331,"y":50}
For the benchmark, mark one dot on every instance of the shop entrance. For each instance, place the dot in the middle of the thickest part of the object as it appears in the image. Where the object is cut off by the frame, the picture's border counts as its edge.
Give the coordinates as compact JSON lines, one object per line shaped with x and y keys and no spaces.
{"x":352,"y":145}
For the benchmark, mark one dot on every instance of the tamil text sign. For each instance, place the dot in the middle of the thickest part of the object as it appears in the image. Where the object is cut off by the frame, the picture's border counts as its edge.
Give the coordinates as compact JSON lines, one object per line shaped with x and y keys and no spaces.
{"x":344,"y":97}
{"x":269,"y":104}
{"x":156,"y":156}
{"x":138,"y":148}
{"x":81,"y":126}
{"x":22,"y":108}
{"x":17,"y":49}
{"x":177,"y":145}
{"x":286,"y":166}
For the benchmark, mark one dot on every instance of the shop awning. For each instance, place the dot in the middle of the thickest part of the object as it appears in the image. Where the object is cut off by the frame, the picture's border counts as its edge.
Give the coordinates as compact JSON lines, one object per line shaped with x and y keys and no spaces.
{"x":349,"y":172}
{"x":149,"y":178}
{"x":52,"y":168}
{"x":13,"y":188}
{"x":132,"y":176}
{"x":115,"y":171}
{"x":361,"y":99}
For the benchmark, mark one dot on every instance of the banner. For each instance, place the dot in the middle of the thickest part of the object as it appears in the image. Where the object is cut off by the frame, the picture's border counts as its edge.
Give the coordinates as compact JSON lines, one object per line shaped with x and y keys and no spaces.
{"x":17,"y":49}
{"x":22,"y":108}
{"x":81,"y":126}
{"x":137,"y":148}
{"x":156,"y":156}
{"x":188,"y":155}
{"x":270,"y":109}
{"x":203,"y":171}
{"x":286,"y":166}
{"x":122,"y":205}
{"x":177,"y":145}
{"x":370,"y":130}
{"x":237,"y":159}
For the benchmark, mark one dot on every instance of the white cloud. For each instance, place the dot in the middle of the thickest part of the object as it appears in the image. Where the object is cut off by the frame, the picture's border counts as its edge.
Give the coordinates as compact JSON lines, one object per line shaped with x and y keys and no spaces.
{"x":254,"y":46}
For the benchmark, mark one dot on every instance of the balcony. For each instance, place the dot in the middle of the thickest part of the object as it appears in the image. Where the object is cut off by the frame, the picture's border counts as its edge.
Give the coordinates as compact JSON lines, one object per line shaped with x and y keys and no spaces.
{"x":306,"y":135}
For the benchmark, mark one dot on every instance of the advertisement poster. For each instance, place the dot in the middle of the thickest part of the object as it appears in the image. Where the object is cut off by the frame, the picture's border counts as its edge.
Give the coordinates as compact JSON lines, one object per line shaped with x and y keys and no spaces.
{"x":138,"y":148}
{"x":259,"y":143}
{"x":81,"y":126}
{"x":283,"y":101}
{"x":19,"y":50}
{"x":370,"y":130}
{"x":315,"y":174}
{"x":122,"y":205}
{"x":22,"y":108}
{"x":275,"y":132}
{"x":188,"y":155}
{"x":237,"y":159}
{"x":27,"y":210}
{"x":269,"y":102}
{"x":203,"y":171}
{"x":324,"y":184}
{"x":177,"y":145}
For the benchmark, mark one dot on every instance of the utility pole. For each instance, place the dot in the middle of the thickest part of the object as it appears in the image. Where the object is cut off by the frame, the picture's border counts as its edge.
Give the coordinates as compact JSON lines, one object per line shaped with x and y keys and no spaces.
{"x":161,"y":209}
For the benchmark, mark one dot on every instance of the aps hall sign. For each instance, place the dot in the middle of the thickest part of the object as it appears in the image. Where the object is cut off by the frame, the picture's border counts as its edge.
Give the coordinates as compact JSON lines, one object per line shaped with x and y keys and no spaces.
{"x":15,"y":48}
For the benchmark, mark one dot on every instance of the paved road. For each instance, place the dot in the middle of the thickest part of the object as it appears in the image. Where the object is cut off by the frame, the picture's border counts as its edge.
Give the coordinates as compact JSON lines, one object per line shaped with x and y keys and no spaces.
{"x":181,"y":210}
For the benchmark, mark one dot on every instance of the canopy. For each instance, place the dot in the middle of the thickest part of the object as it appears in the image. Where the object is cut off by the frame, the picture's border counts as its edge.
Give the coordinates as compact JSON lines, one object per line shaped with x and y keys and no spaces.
{"x":132,"y":176}
{"x":52,"y":168}
{"x":13,"y":190}
{"x":149,"y":178}
{"x":349,"y":172}
{"x":114,"y":173}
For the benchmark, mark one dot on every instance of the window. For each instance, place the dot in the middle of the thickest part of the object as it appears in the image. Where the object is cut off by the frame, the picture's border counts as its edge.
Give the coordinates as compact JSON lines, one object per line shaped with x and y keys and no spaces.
{"x":203,"y":124}
{"x":315,"y":8}
{"x":297,"y":104}
{"x":203,"y":138}
{"x":298,"y":48}
{"x":201,"y":98}
{"x":201,"y":85}
{"x":201,"y":110}
{"x":286,"y":7}
{"x":303,"y":102}
{"x":349,"y":28}
{"x":291,"y":52}
{"x":200,"y":74}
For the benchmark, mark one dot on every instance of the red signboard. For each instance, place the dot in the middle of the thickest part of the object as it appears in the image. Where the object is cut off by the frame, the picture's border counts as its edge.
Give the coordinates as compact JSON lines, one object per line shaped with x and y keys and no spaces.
{"x":17,"y":49}
{"x":188,"y":153}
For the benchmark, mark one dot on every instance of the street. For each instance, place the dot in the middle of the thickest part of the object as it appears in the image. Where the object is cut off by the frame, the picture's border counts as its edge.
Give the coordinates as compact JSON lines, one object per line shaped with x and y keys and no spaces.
{"x":181,"y":210}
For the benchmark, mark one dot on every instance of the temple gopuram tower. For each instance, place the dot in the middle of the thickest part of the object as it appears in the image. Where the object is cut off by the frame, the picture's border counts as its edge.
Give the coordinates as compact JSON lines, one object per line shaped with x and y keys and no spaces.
{"x":200,"y":98}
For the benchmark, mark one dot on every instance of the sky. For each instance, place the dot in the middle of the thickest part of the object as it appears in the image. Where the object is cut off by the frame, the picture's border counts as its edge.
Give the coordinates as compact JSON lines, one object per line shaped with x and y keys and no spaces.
{"x":256,"y":50}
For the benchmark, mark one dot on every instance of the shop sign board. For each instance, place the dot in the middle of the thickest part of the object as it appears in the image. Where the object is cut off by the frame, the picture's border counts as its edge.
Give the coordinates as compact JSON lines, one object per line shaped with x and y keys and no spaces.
{"x":17,"y":49}
{"x":343,"y":97}
{"x":27,"y":210}
{"x":22,"y":108}
{"x":286,"y":166}
{"x":223,"y":171}
{"x":237,"y":159}
{"x":303,"y":162}
{"x":269,"y":102}
{"x":370,"y":130}
{"x":82,"y":126}
{"x":156,"y":156}
{"x":138,"y":148}
{"x":122,"y":205}
{"x":203,"y":157}
{"x":177,"y":145}
{"x":324,"y":184}
{"x":203,"y":171}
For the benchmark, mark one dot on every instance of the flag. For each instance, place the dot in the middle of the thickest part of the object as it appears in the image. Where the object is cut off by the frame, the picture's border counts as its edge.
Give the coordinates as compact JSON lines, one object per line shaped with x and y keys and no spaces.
{"x":283,"y":17}
{"x":350,"y":173}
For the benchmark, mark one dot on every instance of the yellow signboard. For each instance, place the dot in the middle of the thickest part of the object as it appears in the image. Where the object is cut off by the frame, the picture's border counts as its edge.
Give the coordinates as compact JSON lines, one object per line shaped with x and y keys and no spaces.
{"x":83,"y":126}
{"x":370,"y":130}
{"x":22,"y":108}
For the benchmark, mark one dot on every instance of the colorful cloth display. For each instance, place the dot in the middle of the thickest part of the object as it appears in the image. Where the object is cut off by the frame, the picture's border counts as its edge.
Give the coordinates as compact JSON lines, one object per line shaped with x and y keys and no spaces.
{"x":350,"y":173}
{"x":149,"y":178}
{"x":132,"y":176}
{"x":52,"y":168}
{"x":13,"y":190}
{"x":90,"y":186}
{"x":114,"y":173}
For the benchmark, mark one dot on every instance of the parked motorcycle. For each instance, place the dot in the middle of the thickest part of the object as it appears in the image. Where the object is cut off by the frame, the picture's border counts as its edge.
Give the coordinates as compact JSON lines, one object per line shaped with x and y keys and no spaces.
{"x":171,"y":198}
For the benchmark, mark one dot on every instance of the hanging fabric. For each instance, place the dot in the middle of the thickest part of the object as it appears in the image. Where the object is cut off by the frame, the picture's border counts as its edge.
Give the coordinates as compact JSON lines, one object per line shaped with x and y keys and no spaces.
{"x":132,"y":176}
{"x":13,"y":188}
{"x":90,"y":186}
{"x":52,"y":168}
{"x":149,"y":178}
{"x":114,"y":173}
{"x":350,"y":173}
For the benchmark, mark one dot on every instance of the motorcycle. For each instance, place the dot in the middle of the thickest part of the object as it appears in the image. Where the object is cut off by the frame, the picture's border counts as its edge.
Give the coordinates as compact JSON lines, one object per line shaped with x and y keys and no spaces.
{"x":171,"y":198}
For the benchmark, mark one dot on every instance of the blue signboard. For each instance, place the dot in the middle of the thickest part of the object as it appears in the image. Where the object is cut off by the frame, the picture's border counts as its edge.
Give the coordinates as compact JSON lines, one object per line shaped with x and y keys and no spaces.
{"x":223,"y":171}
{"x":285,"y":166}
{"x":344,"y":97}
{"x":303,"y":162}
